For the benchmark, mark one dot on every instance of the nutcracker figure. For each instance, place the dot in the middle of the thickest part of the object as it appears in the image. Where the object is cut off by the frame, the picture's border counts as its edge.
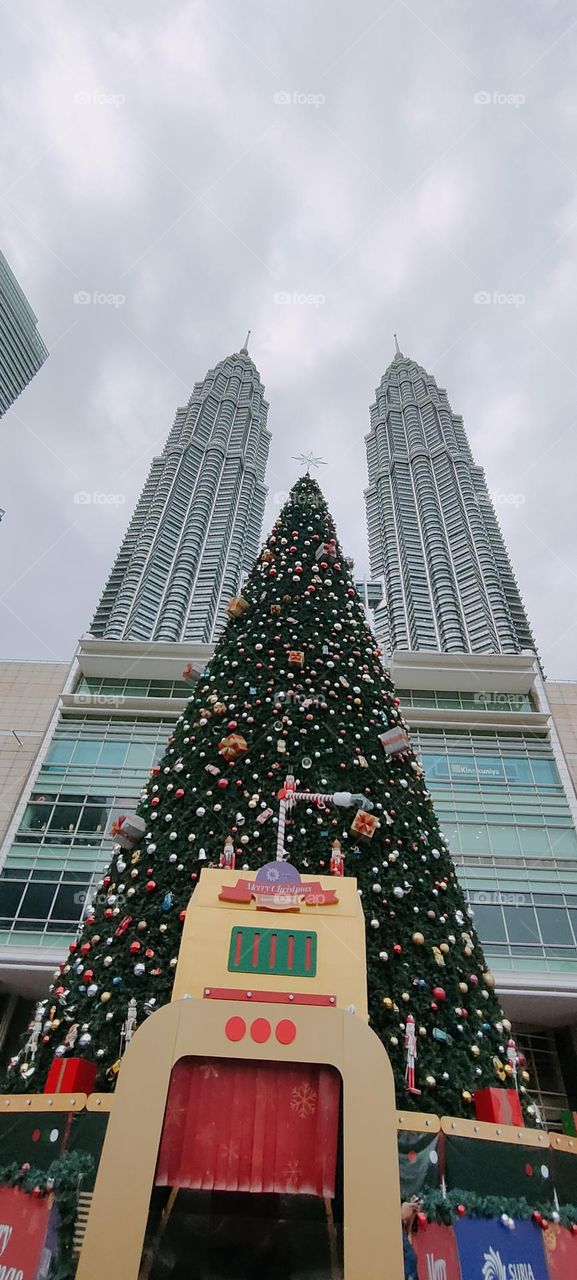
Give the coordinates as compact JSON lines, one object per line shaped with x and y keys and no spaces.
{"x":513,"y":1060}
{"x":337,"y":859}
{"x":227,"y":857}
{"x":411,"y":1047}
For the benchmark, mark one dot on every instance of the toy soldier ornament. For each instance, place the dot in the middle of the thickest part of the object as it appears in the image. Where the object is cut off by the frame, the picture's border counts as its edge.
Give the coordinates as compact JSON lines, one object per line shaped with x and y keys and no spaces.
{"x":411,"y":1047}
{"x":337,"y":859}
{"x":227,"y":857}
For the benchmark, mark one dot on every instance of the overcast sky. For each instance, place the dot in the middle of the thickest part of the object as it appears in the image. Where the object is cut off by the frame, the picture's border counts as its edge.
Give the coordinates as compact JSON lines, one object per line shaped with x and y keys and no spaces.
{"x":376,"y":166}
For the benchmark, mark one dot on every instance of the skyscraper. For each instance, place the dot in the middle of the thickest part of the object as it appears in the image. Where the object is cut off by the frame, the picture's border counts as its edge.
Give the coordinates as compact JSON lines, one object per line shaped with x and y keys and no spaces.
{"x":22,"y":351}
{"x":462,"y":656}
{"x":434,"y":537}
{"x":196,"y":528}
{"x":197,"y":524}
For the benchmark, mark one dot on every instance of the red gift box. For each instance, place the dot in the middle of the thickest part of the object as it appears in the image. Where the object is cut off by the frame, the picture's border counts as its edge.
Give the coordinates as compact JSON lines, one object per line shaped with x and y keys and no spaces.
{"x":71,"y":1075}
{"x":500,"y":1106}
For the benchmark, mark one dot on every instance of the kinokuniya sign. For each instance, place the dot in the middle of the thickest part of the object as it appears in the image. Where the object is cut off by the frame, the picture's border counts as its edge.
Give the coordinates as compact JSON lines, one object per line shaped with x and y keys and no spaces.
{"x":278,"y":887}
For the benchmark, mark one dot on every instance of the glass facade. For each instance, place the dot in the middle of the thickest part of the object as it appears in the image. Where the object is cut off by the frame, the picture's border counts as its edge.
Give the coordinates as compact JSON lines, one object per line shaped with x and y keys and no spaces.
{"x":93,"y":772}
{"x":460,"y":700}
{"x":129,"y":688}
{"x":197,"y":524}
{"x":434,"y":537}
{"x":505,"y":815}
{"x":22,"y":351}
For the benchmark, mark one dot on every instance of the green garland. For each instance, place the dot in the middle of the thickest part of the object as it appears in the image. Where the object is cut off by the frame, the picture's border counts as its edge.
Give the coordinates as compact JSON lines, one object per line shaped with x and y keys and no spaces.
{"x":444,"y":1209}
{"x":64,"y":1178}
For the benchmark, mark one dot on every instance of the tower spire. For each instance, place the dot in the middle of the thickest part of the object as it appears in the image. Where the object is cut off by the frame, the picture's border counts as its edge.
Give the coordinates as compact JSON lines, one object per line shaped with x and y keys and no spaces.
{"x":398,"y":351}
{"x":244,"y":348}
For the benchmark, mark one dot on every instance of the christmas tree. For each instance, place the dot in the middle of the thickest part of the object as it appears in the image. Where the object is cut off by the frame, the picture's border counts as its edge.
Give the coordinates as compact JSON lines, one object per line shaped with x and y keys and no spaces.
{"x":296,"y":691}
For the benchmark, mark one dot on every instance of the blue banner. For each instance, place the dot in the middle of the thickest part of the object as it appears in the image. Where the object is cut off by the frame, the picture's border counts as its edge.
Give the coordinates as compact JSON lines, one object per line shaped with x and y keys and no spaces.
{"x":490,"y":1251}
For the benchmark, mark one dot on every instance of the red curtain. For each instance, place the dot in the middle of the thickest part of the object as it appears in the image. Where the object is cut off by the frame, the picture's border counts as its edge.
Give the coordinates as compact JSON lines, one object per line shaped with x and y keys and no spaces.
{"x":250,"y":1126}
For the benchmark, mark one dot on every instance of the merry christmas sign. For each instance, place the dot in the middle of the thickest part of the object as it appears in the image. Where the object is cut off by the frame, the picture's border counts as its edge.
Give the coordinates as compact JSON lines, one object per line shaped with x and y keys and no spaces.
{"x":278,"y":887}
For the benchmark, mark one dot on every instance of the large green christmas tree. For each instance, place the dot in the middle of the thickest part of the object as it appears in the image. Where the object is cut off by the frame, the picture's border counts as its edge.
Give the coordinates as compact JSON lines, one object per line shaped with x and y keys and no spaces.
{"x":296,"y":687}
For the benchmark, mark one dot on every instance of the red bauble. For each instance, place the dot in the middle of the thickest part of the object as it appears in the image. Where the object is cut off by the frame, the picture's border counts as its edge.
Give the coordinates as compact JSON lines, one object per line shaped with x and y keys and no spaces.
{"x":155,"y":800}
{"x":461,"y":1210}
{"x":150,"y":886}
{"x":182,"y":916}
{"x":85,"y":948}
{"x":88,"y":975}
{"x":397,"y":948}
{"x":222,"y":783}
{"x":134,"y":948}
{"x":179,"y":794}
{"x":439,"y":993}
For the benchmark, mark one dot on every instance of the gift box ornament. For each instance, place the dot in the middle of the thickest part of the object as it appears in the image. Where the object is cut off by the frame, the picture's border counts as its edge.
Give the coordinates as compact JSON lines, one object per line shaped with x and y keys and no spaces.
{"x":296,"y":658}
{"x":364,"y":824}
{"x":128,"y":831}
{"x":394,"y":741}
{"x":499,"y":1106}
{"x":71,"y":1075}
{"x":236,"y":607}
{"x":232,"y":746}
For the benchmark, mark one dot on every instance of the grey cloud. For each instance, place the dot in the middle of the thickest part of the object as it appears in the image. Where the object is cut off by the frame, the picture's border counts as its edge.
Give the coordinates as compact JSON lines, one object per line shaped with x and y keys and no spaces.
{"x":144,"y":155}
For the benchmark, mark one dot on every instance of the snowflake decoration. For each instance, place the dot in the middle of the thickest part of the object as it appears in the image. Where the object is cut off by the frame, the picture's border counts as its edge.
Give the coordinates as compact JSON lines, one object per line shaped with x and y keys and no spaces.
{"x":303,"y":1101}
{"x":309,"y":460}
{"x":292,"y":1173}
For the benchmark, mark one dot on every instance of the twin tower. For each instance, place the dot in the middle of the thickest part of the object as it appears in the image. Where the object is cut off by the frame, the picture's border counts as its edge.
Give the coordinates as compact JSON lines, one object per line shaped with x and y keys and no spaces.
{"x":436,"y":548}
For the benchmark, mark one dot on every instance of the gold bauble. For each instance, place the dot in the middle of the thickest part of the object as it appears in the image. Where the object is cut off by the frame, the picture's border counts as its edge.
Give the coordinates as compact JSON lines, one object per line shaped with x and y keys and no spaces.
{"x":418,"y":939}
{"x":405,"y":996}
{"x":466,"y":1096}
{"x":525,"y":1075}
{"x":387,"y":1002}
{"x":105,"y":997}
{"x":475,"y":1050}
{"x":489,"y":979}
{"x":444,"y":947}
{"x":55,"y":1024}
{"x":463,"y":987}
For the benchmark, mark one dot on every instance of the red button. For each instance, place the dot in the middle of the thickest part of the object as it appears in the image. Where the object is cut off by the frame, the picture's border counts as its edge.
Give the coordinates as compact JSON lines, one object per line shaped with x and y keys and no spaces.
{"x":235,"y":1029}
{"x":286,"y":1031}
{"x":260,"y":1030}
